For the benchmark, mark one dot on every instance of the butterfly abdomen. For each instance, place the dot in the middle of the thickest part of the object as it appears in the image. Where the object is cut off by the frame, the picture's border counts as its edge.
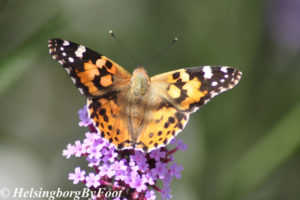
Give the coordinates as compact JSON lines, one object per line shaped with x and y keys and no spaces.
{"x":135,"y":102}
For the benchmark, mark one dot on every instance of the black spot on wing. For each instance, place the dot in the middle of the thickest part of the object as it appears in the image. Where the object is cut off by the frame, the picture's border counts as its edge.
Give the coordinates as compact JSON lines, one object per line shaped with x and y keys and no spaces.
{"x":96,"y":82}
{"x":195,"y":72}
{"x":103,"y":71}
{"x":175,"y":75}
{"x":165,"y":141}
{"x":118,"y":132}
{"x":145,"y":148}
{"x":108,"y":64}
{"x":171,"y":120}
{"x":166,"y":125}
{"x":120,"y":146}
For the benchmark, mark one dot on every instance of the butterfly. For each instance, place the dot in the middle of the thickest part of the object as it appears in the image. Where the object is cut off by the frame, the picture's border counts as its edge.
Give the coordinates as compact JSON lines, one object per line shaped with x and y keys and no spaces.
{"x":135,"y":110}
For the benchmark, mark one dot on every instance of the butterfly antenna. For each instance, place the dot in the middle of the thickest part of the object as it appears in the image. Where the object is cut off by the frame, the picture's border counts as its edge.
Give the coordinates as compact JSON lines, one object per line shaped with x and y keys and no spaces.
{"x":162,"y":51}
{"x":123,"y":47}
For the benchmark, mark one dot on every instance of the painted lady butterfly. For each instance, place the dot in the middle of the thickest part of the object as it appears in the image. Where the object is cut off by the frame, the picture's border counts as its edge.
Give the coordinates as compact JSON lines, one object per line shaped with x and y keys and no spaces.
{"x":135,"y":111}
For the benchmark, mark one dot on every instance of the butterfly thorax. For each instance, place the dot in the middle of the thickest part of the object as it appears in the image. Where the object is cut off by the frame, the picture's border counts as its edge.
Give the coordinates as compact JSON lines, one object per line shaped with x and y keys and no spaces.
{"x":139,"y":82}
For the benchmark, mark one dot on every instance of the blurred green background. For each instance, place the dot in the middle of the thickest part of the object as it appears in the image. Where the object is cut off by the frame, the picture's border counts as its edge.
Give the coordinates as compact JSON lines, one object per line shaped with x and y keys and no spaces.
{"x":243,"y":145}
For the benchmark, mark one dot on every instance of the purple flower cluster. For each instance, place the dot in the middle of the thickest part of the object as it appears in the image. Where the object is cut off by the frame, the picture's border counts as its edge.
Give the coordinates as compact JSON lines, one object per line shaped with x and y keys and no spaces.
{"x":136,"y":174}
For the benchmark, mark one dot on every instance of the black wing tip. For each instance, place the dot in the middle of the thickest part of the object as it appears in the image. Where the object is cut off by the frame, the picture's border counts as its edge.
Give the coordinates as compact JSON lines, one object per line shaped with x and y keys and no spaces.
{"x":54,"y":40}
{"x":55,"y":43}
{"x":52,"y":43}
{"x":59,"y":42}
{"x":237,"y":74}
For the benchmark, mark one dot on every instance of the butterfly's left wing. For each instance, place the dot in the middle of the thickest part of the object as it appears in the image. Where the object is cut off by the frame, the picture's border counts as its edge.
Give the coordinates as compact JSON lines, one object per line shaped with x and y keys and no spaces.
{"x":181,"y":93}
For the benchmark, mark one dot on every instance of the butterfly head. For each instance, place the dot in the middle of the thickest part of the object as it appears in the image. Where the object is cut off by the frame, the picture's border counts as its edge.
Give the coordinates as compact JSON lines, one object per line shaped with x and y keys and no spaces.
{"x":139,"y":82}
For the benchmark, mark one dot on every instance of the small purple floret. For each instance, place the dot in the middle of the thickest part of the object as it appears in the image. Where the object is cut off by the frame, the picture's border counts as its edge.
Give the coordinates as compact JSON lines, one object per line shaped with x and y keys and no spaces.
{"x":92,"y":180}
{"x":77,"y":176}
{"x":84,"y":117}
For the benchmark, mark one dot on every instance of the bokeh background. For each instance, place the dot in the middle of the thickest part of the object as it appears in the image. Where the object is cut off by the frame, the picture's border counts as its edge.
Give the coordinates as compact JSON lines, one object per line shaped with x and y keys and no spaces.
{"x":243,"y":145}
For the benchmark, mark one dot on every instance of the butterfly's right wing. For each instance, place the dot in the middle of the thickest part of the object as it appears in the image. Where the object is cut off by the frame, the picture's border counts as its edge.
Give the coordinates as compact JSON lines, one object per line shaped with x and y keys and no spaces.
{"x":189,"y":89}
{"x":178,"y":94}
{"x":92,"y":73}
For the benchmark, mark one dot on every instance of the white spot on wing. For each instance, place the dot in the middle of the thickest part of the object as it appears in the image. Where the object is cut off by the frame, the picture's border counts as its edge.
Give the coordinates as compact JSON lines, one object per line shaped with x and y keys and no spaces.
{"x":222,"y":89}
{"x":67,"y":69}
{"x":222,"y":80}
{"x":80,"y":50}
{"x":214,"y":83}
{"x":213,"y":94}
{"x":61,"y":48}
{"x":207,"y":72}
{"x":81,"y":90}
{"x":73,"y":79}
{"x":64,"y":54}
{"x":226,"y":76}
{"x":71,"y":59}
{"x":66,"y":43}
{"x":224,"y":69}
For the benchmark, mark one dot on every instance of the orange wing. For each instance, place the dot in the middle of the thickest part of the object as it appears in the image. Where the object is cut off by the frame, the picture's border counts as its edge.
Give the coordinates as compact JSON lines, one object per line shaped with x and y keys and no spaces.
{"x":92,"y":73}
{"x":182,"y":92}
{"x":106,"y":113}
{"x":102,"y":81}
{"x":189,"y":89}
{"x":165,"y":124}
